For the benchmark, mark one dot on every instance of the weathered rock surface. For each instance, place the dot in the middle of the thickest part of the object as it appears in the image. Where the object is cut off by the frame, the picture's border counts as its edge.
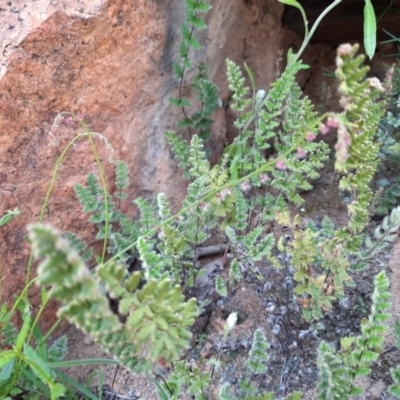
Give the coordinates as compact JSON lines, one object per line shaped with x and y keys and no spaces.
{"x":110,"y":63}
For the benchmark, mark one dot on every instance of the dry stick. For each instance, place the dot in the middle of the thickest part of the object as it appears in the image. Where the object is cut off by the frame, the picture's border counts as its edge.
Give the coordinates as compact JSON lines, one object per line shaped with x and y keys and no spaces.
{"x":251,"y":216}
{"x":204,"y":252}
{"x":211,"y":250}
{"x":116,"y":395}
{"x":165,"y":382}
{"x":283,"y":370}
{"x":389,"y":349}
{"x":114,"y":377}
{"x":291,"y":371}
{"x":286,"y":273}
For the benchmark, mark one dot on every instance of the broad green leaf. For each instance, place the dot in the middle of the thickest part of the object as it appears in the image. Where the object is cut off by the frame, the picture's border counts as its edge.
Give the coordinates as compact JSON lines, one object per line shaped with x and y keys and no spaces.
{"x":73,"y":383}
{"x":162,"y":394}
{"x":24,"y":331}
{"x":42,"y":372}
{"x":369,"y":29}
{"x":45,"y":296}
{"x":57,"y":390}
{"x":293,"y":3}
{"x":35,"y":381}
{"x":9,"y":216}
{"x":76,"y":363}
{"x":7,"y":370}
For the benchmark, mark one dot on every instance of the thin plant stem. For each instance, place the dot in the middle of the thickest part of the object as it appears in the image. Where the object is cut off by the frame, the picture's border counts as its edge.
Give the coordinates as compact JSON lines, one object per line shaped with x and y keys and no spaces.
{"x":308,"y":37}
{"x":60,"y":159}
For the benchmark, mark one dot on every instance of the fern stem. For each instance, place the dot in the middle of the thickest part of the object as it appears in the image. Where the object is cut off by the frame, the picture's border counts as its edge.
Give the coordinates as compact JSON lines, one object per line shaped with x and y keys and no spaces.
{"x":36,"y":321}
{"x":51,"y":330}
{"x":60,"y":159}
{"x":312,"y":30}
{"x":23,"y":294}
{"x":183,"y":74}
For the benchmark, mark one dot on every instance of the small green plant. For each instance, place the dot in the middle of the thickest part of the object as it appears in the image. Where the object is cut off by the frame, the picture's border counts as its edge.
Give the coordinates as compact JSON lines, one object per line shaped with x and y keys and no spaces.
{"x":256,"y":365}
{"x":23,"y":366}
{"x":339,"y":373}
{"x":10,"y":214}
{"x":30,"y":360}
{"x":393,"y":39}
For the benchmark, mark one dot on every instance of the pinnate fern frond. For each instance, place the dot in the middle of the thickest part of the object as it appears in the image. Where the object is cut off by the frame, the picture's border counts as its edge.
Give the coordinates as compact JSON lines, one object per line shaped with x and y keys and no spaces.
{"x":156,"y":317}
{"x":80,"y":246}
{"x":181,"y":149}
{"x":122,"y":179}
{"x":384,"y":234}
{"x":220,"y":286}
{"x":371,"y":339}
{"x":236,"y":85}
{"x":356,"y":149}
{"x":334,"y":382}
{"x":207,"y":92}
{"x":88,"y":196}
{"x":394,"y":389}
{"x":197,"y":159}
{"x":58,"y":350}
{"x":338,"y":371}
{"x":208,"y":96}
{"x":148,"y":215}
{"x":152,"y":261}
{"x":258,"y":354}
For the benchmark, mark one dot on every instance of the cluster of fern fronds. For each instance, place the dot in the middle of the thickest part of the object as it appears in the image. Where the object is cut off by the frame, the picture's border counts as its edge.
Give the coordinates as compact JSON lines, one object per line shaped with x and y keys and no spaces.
{"x":244,"y":197}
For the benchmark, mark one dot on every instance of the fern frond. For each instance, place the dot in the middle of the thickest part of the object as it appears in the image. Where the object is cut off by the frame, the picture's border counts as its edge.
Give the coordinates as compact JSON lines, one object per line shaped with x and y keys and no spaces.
{"x":86,"y":197}
{"x":122,"y":179}
{"x":199,"y":165}
{"x":157,"y":316}
{"x":356,"y":149}
{"x":180,"y":149}
{"x":220,"y":286}
{"x":164,"y":211}
{"x":153,"y":263}
{"x":384,"y":234}
{"x":58,"y":350}
{"x":368,"y":345}
{"x":80,"y":246}
{"x":394,"y":389}
{"x":334,"y":382}
{"x":258,"y":354}
{"x":148,"y":219}
{"x":236,"y":85}
{"x":234,"y":271}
